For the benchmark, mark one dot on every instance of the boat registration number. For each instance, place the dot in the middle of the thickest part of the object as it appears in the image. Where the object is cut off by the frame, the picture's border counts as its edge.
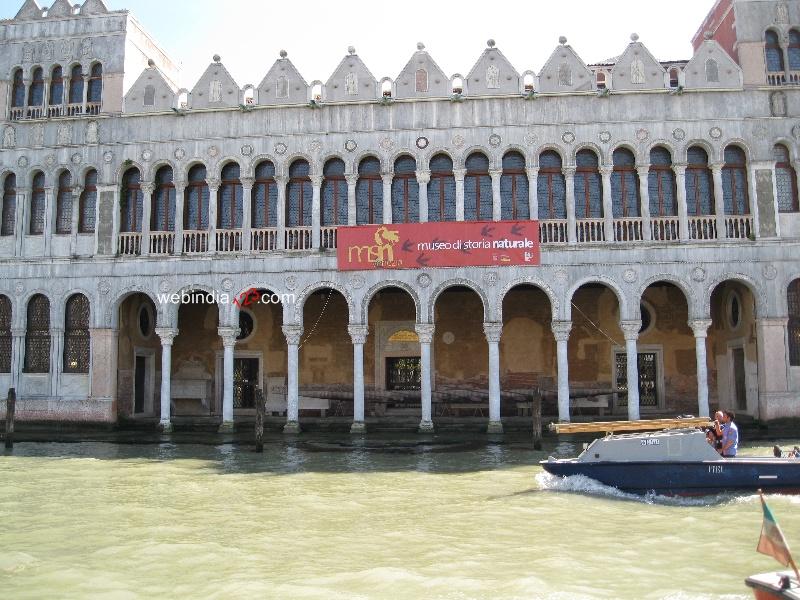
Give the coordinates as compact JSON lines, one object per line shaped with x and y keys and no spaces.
{"x":651,"y":442}
{"x":715,"y":469}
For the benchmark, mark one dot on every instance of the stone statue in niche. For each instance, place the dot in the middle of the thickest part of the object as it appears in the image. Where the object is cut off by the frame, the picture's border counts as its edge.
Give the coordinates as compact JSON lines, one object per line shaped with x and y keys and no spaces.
{"x":9,"y":137}
{"x":712,"y":71}
{"x":492,"y":77}
{"x":421,"y":80}
{"x":351,"y":84}
{"x":215,"y":91}
{"x":282,"y":87}
{"x":66,"y":49}
{"x":64,"y":135}
{"x":86,"y":47}
{"x":38,"y":135}
{"x":777,"y":104}
{"x":92,"y":133}
{"x":637,"y":71}
{"x":564,"y":74}
{"x":782,"y":13}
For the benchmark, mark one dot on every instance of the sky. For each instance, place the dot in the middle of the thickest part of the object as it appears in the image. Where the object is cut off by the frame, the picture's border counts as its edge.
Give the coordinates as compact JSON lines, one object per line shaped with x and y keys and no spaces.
{"x":248,"y":34}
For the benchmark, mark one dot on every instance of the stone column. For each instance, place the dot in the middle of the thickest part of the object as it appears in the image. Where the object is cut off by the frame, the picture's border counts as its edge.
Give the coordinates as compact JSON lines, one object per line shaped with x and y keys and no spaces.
{"x":719,"y":201}
{"x":167,"y":336}
{"x":459,"y":175}
{"x":493,"y":333}
{"x":533,"y":192}
{"x":77,"y":192}
{"x":281,"y":181}
{"x":180,"y":194}
{"x":644,"y":199}
{"x":20,"y":214}
{"x":425,"y":332}
{"x":631,"y":330}
{"x":387,"y":197}
{"x":46,"y":97}
{"x":683,"y":209}
{"x":147,"y":209}
{"x":56,"y":358}
{"x":561,"y":331}
{"x":352,"y":180}
{"x":316,"y":208}
{"x":228,"y":335}
{"x":49,"y":219}
{"x":700,"y":329}
{"x":497,"y":200}
{"x":608,"y":206}
{"x":293,"y":333}
{"x":569,"y":177}
{"x":247,"y":212}
{"x":17,"y":355}
{"x":423,"y":179}
{"x":213,"y":201}
{"x":85,"y":92}
{"x":358,"y":333}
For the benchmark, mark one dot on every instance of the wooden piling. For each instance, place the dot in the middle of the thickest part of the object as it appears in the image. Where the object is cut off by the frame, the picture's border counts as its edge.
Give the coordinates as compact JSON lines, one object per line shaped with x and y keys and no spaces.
{"x":260,"y":413}
{"x":536,"y":411}
{"x":11,"y":405}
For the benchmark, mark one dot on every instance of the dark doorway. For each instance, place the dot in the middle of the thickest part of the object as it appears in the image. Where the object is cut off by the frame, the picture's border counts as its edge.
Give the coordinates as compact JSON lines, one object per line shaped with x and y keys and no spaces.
{"x":739,"y":379}
{"x":138,"y":385}
{"x":245,"y":380}
{"x":403,"y":373}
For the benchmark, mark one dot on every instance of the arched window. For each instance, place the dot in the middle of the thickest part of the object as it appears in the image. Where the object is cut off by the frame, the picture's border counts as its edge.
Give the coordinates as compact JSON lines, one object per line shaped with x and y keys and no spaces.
{"x":195,"y":209}
{"x":149,"y":95}
{"x":162,"y":215}
{"x":421,"y":80}
{"x":514,"y":199}
{"x":36,"y":96}
{"x":786,"y":180}
{"x":774,"y":53}
{"x":661,"y":183}
{"x":88,"y":202}
{"x":442,"y":190}
{"x":76,"y":85}
{"x":734,"y":182}
{"x":699,"y":183}
{"x":76,"y":335}
{"x":298,"y":196}
{"x":5,"y":334}
{"x":588,"y":186}
{"x":9,"y":205}
{"x":37,"y":336}
{"x":95,"y":92}
{"x":794,"y":50}
{"x":624,"y":185}
{"x":405,"y":191}
{"x":229,"y":204}
{"x":369,"y":192}
{"x":551,"y":187}
{"x":334,"y":194}
{"x":131,"y":202}
{"x":477,"y":189}
{"x":265,"y":197}
{"x":18,"y":90}
{"x":64,"y":203}
{"x":57,"y":86}
{"x":38,"y":203}
{"x":794,"y":323}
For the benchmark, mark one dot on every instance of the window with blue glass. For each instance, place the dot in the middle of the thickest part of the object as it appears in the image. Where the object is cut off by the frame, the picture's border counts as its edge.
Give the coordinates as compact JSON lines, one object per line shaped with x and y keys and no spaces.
{"x":163,"y":205}
{"x":624,"y":185}
{"x":64,"y":203}
{"x":56,"y":86}
{"x":36,"y":95}
{"x":95,"y":92}
{"x":405,"y":191}
{"x":265,"y":197}
{"x":661,"y":184}
{"x":699,"y":183}
{"x":785,"y":180}
{"x":334,"y":194}
{"x":477,"y":189}
{"x":794,"y":323}
{"x":229,"y":203}
{"x":514,"y":199}
{"x":195,"y":204}
{"x":369,"y":192}
{"x":442,"y":190}
{"x":588,"y":186}
{"x":551,"y":187}
{"x":76,"y":85}
{"x":9,"y":204}
{"x":18,"y":90}
{"x":794,"y":50}
{"x":734,"y":182}
{"x":38,"y":202}
{"x":299,"y":195}
{"x":88,"y":203}
{"x":774,"y":52}
{"x":131,"y":202}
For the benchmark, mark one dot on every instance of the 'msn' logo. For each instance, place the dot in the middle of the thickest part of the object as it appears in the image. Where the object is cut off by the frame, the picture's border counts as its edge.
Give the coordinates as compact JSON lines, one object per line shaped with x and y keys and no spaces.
{"x":381,"y":253}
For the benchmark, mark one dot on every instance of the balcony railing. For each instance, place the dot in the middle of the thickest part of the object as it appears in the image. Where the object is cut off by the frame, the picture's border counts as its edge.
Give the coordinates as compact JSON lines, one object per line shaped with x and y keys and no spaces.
{"x":162,"y":242}
{"x":665,"y":229}
{"x":74,"y":110}
{"x":739,"y":227}
{"x":263,"y":240}
{"x":327,"y":237}
{"x":703,"y":228}
{"x":229,"y":240}
{"x":298,"y":238}
{"x":784,"y":78}
{"x":195,"y":242}
{"x":591,"y":230}
{"x":628,"y":230}
{"x":130,"y":244}
{"x":553,"y":231}
{"x":17,"y":113}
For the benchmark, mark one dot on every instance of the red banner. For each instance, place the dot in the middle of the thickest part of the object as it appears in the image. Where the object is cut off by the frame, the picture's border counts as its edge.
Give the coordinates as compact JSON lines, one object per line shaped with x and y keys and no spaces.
{"x":450,"y":244}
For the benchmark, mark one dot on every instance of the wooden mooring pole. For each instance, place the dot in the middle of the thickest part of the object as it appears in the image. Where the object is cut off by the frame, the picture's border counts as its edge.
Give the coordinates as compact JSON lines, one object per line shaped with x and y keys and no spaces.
{"x":260,"y":411}
{"x":536,"y":411}
{"x":11,"y":405}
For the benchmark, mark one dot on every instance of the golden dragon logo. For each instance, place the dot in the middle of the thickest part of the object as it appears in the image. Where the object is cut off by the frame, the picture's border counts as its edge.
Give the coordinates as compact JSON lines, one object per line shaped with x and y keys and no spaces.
{"x":382,"y":253}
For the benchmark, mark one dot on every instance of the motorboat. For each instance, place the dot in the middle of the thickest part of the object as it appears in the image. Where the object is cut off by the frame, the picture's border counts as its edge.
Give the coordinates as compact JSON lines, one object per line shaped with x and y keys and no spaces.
{"x":778,"y":585}
{"x":676,"y":460}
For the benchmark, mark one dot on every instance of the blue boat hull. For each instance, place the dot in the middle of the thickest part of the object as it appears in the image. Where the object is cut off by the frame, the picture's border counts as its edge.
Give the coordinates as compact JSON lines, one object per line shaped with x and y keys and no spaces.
{"x":687,"y":478}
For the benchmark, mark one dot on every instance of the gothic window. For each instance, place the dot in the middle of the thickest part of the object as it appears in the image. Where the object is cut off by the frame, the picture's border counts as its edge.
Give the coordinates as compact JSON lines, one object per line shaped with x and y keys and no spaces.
{"x":64,"y":203}
{"x":96,"y":84}
{"x":624,"y":185}
{"x":405,"y":191}
{"x":477,"y":189}
{"x":38,"y":201}
{"x":57,"y":86}
{"x":298,"y":196}
{"x":774,"y":53}
{"x":195,"y":209}
{"x":794,"y":50}
{"x":76,"y":85}
{"x":149,"y":95}
{"x":734,"y":182}
{"x":265,"y":197}
{"x":131,"y":202}
{"x":9,"y":205}
{"x":36,"y":96}
{"x":37,"y":336}
{"x":794,"y":323}
{"x":229,"y":205}
{"x":588,"y":186}
{"x":18,"y":90}
{"x":661,"y":184}
{"x":369,"y":192}
{"x":421,"y":80}
{"x":88,"y":202}
{"x":76,"y":335}
{"x":5,"y":334}
{"x":163,"y":207}
{"x":699,"y":183}
{"x":442,"y":190}
{"x":514,"y":199}
{"x":334,"y":194}
{"x":712,"y":71}
{"x":551,"y":187}
{"x":785,"y":179}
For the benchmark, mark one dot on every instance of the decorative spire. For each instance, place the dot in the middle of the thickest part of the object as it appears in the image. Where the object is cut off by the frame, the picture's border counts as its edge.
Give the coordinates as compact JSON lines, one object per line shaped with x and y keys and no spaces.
{"x":490,"y":43}
{"x":420,"y":46}
{"x":562,"y":40}
{"x":351,"y":50}
{"x":283,"y":53}
{"x":634,"y":37}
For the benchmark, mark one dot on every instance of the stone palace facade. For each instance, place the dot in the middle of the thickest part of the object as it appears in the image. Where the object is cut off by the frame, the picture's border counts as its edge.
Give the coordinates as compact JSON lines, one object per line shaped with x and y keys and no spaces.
{"x":666,"y":196}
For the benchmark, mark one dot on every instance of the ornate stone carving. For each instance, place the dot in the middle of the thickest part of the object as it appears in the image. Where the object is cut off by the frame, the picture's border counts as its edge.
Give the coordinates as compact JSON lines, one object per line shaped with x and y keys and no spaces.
{"x":19,"y":288}
{"x":164,"y":286}
{"x":9,"y":137}
{"x":679,"y":134}
{"x":147,"y":155}
{"x":227,"y":284}
{"x":179,"y":153}
{"x":796,"y":131}
{"x":228,"y":335}
{"x":530,"y":139}
{"x":422,"y":142}
{"x":280,"y":148}
{"x":104,"y":287}
{"x":37,"y":135}
{"x":631,"y":329}
{"x":357,"y":282}
{"x":637,"y":71}
{"x":292,"y":333}
{"x":700,"y":327}
{"x":215,"y":91}
{"x":458,"y":141}
{"x":77,"y":158}
{"x":561,"y":330}
{"x":291,"y":283}
{"x":108,"y":156}
{"x":492,"y":77}
{"x":495,"y":140}
{"x":50,"y":160}
{"x":358,"y":333}
{"x":387,"y":144}
{"x":642,"y":135}
{"x":23,"y":161}
{"x":86,"y":47}
{"x":92,"y":133}
{"x":567,"y":137}
{"x":166,"y":334}
{"x":760,"y":132}
{"x":424,"y":280}
{"x":351,"y":84}
{"x":561,"y":276}
{"x":715,"y":133}
{"x":782,"y":13}
{"x":770,"y":272}
{"x":213,"y":151}
{"x":350,"y":145}
{"x":630,"y":276}
{"x":64,"y":135}
{"x":777,"y":104}
{"x":247,"y":150}
{"x":490,"y":278}
{"x":425,"y":332}
{"x":605,"y":136}
{"x":564,"y":74}
{"x":699,"y":274}
{"x":493,"y":332}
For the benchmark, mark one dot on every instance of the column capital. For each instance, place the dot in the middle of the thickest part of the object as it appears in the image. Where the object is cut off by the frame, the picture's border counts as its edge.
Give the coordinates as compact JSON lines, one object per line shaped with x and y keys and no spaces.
{"x":166,"y":334}
{"x":643,"y":170}
{"x":358,"y":333}
{"x":387,"y":177}
{"x":569,"y":171}
{"x":423,"y":177}
{"x":459,"y":174}
{"x":716,"y":167}
{"x":772,"y":321}
{"x":213,"y":183}
{"x":180,"y":186}
{"x":18,"y":331}
{"x":425,"y":332}
{"x":700,"y":327}
{"x":561,"y":330}
{"x":56,"y":330}
{"x":147,"y":187}
{"x":679,"y":168}
{"x":228,"y":335}
{"x":493,"y":332}
{"x":281,"y":179}
{"x":351,"y":178}
{"x":605,"y":170}
{"x":316,"y":180}
{"x":292,"y":333}
{"x":532,"y":171}
{"x":77,"y":190}
{"x":247,"y":182}
{"x":495,"y":173}
{"x":631,"y":329}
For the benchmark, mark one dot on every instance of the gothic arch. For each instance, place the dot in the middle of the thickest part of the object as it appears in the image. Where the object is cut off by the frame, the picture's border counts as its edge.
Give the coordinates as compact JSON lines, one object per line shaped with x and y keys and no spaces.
{"x":300,"y":302}
{"x":224,"y":162}
{"x":429,"y":156}
{"x":478,"y":149}
{"x":601,"y":158}
{"x":313,"y":167}
{"x":762,"y":307}
{"x":460,"y":282}
{"x":368,"y":154}
{"x":515,"y":148}
{"x":688,"y":291}
{"x":625,"y":311}
{"x":533,"y":282}
{"x":128,"y":164}
{"x":631,"y":147}
{"x":112,"y":308}
{"x":713,"y":153}
{"x":250,"y":169}
{"x":555,"y":148}
{"x":154,"y":168}
{"x":21,"y":315}
{"x":382,"y":285}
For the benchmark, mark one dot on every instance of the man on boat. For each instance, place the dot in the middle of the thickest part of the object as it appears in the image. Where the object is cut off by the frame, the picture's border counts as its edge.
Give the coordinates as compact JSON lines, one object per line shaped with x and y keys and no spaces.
{"x":714,"y":435}
{"x":730,"y":435}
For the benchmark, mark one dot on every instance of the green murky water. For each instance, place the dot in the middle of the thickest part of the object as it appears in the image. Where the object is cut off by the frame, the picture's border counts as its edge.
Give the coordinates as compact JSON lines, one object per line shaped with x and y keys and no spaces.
{"x":190,"y":521}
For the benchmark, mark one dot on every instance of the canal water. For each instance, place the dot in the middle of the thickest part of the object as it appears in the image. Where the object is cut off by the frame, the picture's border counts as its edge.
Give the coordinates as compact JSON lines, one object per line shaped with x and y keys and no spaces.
{"x":324,"y":520}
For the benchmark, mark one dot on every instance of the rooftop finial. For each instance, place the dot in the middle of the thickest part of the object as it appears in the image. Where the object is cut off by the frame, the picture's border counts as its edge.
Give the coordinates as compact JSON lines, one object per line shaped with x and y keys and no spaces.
{"x":634,"y":37}
{"x":217,"y":58}
{"x":151,"y":63}
{"x":283,"y":53}
{"x":707,"y":35}
{"x":420,"y":46}
{"x":490,"y":43}
{"x":562,"y":40}
{"x":351,"y":50}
